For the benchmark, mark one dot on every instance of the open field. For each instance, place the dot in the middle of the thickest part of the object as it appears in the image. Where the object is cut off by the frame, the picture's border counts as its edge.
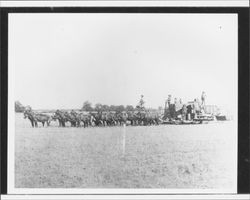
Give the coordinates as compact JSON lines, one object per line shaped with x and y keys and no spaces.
{"x":164,"y":156}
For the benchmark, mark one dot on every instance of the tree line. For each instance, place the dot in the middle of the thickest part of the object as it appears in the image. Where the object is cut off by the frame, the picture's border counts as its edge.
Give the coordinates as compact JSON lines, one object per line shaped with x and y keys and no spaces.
{"x":19,"y":107}
{"x":87,"y":106}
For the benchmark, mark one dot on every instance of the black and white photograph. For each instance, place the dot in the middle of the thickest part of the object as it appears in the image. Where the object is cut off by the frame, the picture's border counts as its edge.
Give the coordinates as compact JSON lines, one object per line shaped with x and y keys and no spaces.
{"x":126,"y":101}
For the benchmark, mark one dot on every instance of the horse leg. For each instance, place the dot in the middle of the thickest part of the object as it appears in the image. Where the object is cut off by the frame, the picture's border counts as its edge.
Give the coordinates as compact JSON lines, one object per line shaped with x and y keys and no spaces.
{"x":43,"y":124}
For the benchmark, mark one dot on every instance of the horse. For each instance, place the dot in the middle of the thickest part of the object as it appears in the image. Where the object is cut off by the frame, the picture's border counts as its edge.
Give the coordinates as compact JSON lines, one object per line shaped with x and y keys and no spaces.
{"x":72,"y":118}
{"x":122,"y":117}
{"x":75,"y":118}
{"x":60,"y":116}
{"x":43,"y":118}
{"x":98,"y":119}
{"x":86,"y":118}
{"x":133,"y":118}
{"x":30,"y":115}
{"x":111,"y":119}
{"x":37,"y":117}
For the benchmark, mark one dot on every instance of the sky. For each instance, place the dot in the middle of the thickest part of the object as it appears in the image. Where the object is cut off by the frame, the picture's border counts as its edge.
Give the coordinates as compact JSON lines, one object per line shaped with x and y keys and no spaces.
{"x":61,"y":60}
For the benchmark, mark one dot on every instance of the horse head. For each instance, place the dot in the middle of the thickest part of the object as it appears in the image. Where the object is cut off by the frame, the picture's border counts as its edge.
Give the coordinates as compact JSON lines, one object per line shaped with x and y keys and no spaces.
{"x":27,"y":114}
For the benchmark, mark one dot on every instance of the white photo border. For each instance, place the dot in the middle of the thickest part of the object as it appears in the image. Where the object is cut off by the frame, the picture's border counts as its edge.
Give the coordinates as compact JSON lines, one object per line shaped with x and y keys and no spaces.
{"x":11,"y":162}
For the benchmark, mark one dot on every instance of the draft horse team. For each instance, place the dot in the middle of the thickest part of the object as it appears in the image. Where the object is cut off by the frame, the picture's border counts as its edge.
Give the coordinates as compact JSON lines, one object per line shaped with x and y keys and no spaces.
{"x":86,"y":119}
{"x":177,"y":112}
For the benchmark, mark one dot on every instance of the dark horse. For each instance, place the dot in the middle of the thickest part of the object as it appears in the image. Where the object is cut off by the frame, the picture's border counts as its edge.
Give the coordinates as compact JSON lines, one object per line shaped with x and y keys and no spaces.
{"x":63,"y":117}
{"x":31,"y":116}
{"x":37,"y":117}
{"x":60,"y":116}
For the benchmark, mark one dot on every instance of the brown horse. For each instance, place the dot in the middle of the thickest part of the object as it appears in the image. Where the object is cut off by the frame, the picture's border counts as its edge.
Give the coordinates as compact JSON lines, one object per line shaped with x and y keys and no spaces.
{"x":30,"y":115}
{"x":37,"y":117}
{"x":43,"y":118}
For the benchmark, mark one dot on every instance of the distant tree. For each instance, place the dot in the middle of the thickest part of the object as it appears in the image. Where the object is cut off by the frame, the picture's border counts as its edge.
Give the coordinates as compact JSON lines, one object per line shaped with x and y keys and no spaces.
{"x":87,"y":106}
{"x":120,"y":108}
{"x":105,"y":108}
{"x":19,"y":107}
{"x":142,"y":103}
{"x":98,"y":107}
{"x":112,"y":108}
{"x":129,"y":108}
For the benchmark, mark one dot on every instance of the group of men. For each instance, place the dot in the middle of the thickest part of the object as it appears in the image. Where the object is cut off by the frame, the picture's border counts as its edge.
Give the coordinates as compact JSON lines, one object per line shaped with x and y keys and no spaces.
{"x":189,"y":111}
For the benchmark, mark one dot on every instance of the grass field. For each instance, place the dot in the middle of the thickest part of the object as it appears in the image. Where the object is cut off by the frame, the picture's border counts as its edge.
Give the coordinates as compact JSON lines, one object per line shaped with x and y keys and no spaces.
{"x":164,"y":156}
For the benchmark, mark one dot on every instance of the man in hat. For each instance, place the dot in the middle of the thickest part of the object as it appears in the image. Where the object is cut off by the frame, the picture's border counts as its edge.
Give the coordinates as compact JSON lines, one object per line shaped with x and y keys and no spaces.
{"x":203,"y":99}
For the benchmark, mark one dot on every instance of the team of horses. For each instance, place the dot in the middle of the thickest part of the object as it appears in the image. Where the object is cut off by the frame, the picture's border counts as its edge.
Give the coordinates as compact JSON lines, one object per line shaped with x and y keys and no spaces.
{"x":179,"y":112}
{"x":86,"y":119}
